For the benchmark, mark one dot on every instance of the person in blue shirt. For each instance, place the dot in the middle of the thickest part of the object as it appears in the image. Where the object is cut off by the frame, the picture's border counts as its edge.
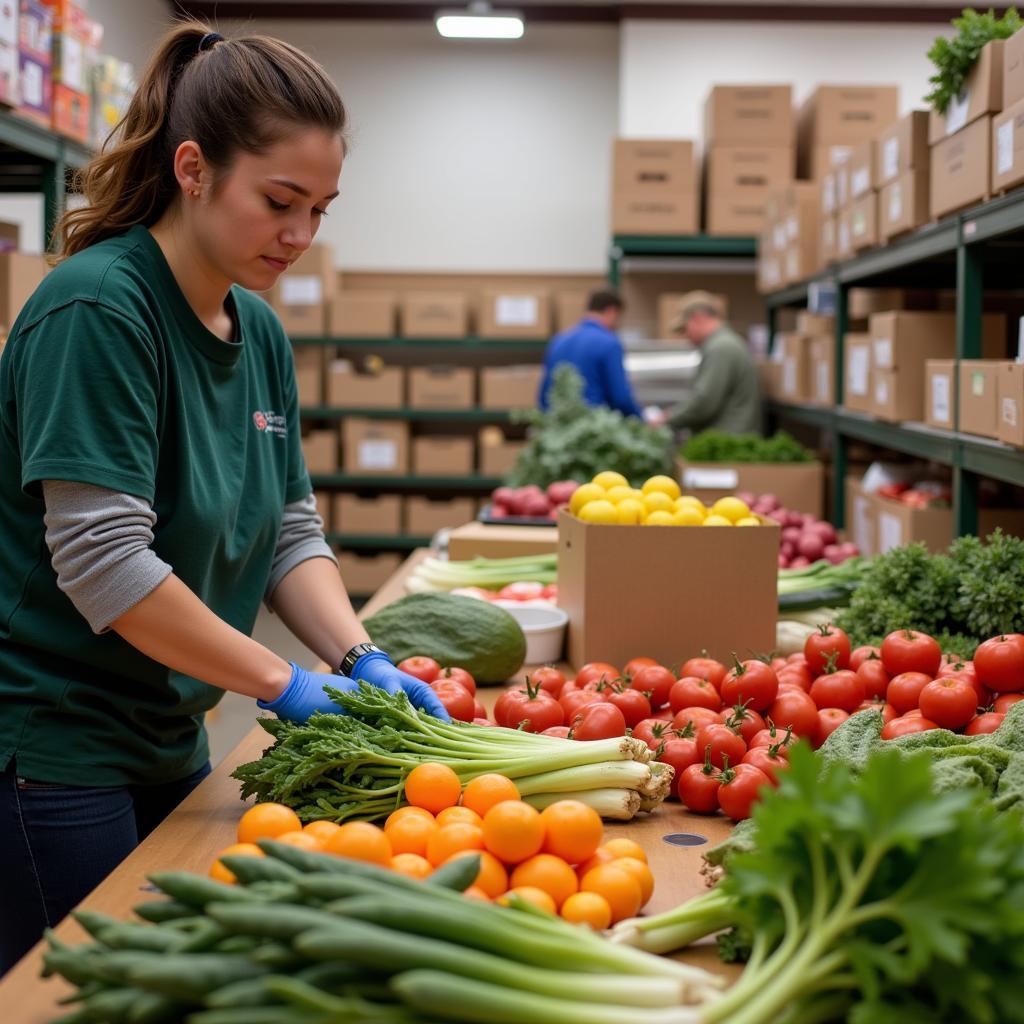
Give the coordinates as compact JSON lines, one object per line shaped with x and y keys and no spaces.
{"x":594,"y":349}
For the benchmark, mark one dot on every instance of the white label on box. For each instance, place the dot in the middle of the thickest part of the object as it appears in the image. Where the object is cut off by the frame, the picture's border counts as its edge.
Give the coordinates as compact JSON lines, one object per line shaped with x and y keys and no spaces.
{"x":956,"y":112}
{"x":978,"y":385}
{"x":860,"y":223}
{"x":822,"y":382}
{"x":72,"y":56}
{"x":828,"y":194}
{"x":301,"y":290}
{"x":844,"y":236}
{"x":516,"y":310}
{"x":377,"y":454}
{"x":891,"y":158}
{"x":940,"y":399}
{"x":712,"y":479}
{"x":779,"y":236}
{"x":32,"y":84}
{"x":1004,"y":148}
{"x":860,"y":182}
{"x":881,"y":391}
{"x":890,"y":532}
{"x":1009,"y":412}
{"x":895,"y":202}
{"x":860,"y":365}
{"x":883,"y":353}
{"x":792,"y":227}
{"x":789,"y":377}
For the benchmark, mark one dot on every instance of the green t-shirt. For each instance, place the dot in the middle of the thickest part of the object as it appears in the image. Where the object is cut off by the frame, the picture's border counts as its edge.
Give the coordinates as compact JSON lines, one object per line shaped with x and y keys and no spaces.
{"x":109,"y":378}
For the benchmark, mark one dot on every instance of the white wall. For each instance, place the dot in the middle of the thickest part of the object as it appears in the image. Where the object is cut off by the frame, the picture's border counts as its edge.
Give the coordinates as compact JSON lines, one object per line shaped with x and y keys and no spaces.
{"x":668,"y":67}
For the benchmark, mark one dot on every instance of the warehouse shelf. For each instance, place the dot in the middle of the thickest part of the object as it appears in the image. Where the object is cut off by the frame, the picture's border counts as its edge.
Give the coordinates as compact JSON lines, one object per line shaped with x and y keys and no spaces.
{"x":383,"y":482}
{"x":701,"y":253}
{"x":394,"y":541}
{"x":330,"y":412}
{"x":924,"y":245}
{"x":25,"y":136}
{"x":531,"y":345}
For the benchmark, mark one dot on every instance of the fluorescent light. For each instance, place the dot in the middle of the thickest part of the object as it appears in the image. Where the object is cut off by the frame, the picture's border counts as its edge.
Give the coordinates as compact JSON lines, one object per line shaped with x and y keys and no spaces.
{"x":479,"y":22}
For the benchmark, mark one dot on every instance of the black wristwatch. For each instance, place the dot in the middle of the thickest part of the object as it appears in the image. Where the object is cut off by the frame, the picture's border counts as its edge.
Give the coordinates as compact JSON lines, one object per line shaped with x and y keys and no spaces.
{"x":348,"y":663}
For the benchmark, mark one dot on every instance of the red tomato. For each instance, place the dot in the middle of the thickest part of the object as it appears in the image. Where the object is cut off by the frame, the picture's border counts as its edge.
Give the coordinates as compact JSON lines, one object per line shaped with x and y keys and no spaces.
{"x":656,"y":681}
{"x":479,"y":711}
{"x":907,"y":650}
{"x":572,"y":701}
{"x":595,"y":672}
{"x":769,"y":761}
{"x":904,"y":690}
{"x":635,"y":707}
{"x":691,"y":692}
{"x":751,"y":682}
{"x":558,"y":731}
{"x":888,"y":711}
{"x":720,"y":743}
{"x":522,"y":590}
{"x":460,"y":676}
{"x":982,"y":696}
{"x":529,"y":705}
{"x":740,"y":789}
{"x":829,"y":719}
{"x":876,"y":680}
{"x":949,"y":702}
{"x":999,"y":663}
{"x":694,"y":718}
{"x":635,"y":664}
{"x":984,"y":723}
{"x":704,"y":668}
{"x":1007,"y":700}
{"x":550,"y":593}
{"x":698,"y":788}
{"x":773,"y":737}
{"x":827,"y":650}
{"x":797,"y":658}
{"x":456,"y":699}
{"x":680,"y":754}
{"x":550,"y":680}
{"x":653,"y":731}
{"x":483,"y":722}
{"x":420,"y":666}
{"x":795,"y":677}
{"x":777,"y":663}
{"x":795,"y":710}
{"x":954,"y":666}
{"x":843,"y":689}
{"x":744,"y":721}
{"x":600,"y":721}
{"x":905,"y":726}
{"x":862,"y":654}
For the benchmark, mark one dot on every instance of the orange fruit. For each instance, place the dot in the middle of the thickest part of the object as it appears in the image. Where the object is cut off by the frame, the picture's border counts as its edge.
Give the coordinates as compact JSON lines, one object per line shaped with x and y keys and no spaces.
{"x":549,"y":873}
{"x":601,"y":857}
{"x":458,"y":815}
{"x":620,"y":888}
{"x":411,"y":865}
{"x":538,"y":897}
{"x":267,"y":821}
{"x":303,"y":840}
{"x":483,"y":792}
{"x":359,"y":840}
{"x":572,"y":830}
{"x":322,"y":830}
{"x":589,"y":908}
{"x":623,"y":847}
{"x":451,"y":839}
{"x":492,"y":878}
{"x":433,"y":787}
{"x":474,"y":892}
{"x":641,"y":872}
{"x":513,"y":831}
{"x":221,"y":873}
{"x":410,"y":834}
{"x":406,"y":812}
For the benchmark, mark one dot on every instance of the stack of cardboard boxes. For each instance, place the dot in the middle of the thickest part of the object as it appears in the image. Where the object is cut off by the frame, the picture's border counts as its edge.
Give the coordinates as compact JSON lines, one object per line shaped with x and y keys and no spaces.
{"x":654,"y":188}
{"x":789,"y":243}
{"x":902,"y":176}
{"x":986,"y":399}
{"x":1008,"y":127}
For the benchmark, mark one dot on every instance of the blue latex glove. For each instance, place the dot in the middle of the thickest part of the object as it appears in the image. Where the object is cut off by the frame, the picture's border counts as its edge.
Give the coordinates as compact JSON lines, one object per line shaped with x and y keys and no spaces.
{"x":304,"y":694}
{"x":377,"y":668}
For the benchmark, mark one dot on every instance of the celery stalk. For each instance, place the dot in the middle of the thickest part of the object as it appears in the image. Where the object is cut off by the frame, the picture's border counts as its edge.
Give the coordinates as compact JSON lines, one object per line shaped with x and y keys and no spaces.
{"x":617,"y":804}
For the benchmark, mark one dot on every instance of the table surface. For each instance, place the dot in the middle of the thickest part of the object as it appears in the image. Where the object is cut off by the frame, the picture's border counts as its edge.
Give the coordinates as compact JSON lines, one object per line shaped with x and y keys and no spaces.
{"x":206,"y":821}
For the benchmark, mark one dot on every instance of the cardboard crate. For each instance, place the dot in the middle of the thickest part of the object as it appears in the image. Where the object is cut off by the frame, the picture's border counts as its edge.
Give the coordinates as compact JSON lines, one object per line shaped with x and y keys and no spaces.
{"x":814,"y":323}
{"x":902,"y":147}
{"x":844,"y":235}
{"x":1008,"y":148}
{"x":654,"y":166}
{"x":857,"y":372}
{"x":938,"y":392}
{"x":748,"y":167}
{"x":1013,"y":70}
{"x":979,"y":406}
{"x":595,"y":561}
{"x":981,"y":95}
{"x":903,"y":204}
{"x":442,"y":456}
{"x":864,"y":222}
{"x":900,"y":524}
{"x":641,"y":212}
{"x":303,"y":293}
{"x":801,"y":258}
{"x":20,"y":274}
{"x":734,"y":215}
{"x":366,"y":574}
{"x":347,"y":386}
{"x":442,"y":387}
{"x":861,"y":170}
{"x":363,"y":314}
{"x":862,"y":303}
{"x":356,"y":514}
{"x":961,"y":168}
{"x":375,"y":447}
{"x":795,"y":359}
{"x":749,"y":115}
{"x":475,"y":540}
{"x":827,"y":196}
{"x":823,"y":370}
{"x":897,"y":395}
{"x":515,"y":313}
{"x":570,"y":307}
{"x":798,"y":485}
{"x":309,"y":374}
{"x":828,"y":246}
{"x":823,"y":160}
{"x":861,"y":518}
{"x":509,"y":387}
{"x":903,"y":338}
{"x":324,"y":501}
{"x":425,"y":516}
{"x":842,"y":115}
{"x":1010,"y":392}
{"x":320,"y":451}
{"x":497,"y":455}
{"x":435,"y":315}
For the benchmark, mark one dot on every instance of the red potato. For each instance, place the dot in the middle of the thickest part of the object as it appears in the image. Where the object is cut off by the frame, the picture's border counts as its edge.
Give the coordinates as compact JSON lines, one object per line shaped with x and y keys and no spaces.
{"x":811,"y":546}
{"x":561,"y":491}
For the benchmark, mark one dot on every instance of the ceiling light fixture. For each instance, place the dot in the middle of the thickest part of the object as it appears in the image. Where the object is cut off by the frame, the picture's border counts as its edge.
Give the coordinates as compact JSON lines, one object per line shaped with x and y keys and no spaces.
{"x":478,"y":21}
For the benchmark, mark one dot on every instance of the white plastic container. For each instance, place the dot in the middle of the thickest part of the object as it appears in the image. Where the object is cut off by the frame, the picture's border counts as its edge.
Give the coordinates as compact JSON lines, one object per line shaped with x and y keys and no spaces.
{"x":544,"y":629}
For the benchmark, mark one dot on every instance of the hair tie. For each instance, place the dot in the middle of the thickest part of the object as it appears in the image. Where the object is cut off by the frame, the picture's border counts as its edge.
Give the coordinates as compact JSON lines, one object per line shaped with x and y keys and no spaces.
{"x":209,"y":41}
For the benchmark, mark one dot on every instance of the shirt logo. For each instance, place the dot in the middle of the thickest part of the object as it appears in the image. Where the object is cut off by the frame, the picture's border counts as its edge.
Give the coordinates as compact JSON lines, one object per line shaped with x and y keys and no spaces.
{"x":270,"y":422}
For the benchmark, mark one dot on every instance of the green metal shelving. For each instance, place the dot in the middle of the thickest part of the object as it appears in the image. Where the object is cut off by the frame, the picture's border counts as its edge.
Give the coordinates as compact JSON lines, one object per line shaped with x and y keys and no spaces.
{"x":475,"y":415}
{"x":383,"y":482}
{"x":682,"y":246}
{"x":361,"y":541}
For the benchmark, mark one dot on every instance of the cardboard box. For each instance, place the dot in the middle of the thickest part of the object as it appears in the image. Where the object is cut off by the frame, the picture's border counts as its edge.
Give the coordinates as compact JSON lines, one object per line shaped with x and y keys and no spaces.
{"x":1008,"y":148}
{"x":375,"y":447}
{"x":441,"y":387}
{"x":822,"y":384}
{"x":938,"y":392}
{"x":845,"y":115}
{"x":425,"y":516}
{"x":350,"y":387}
{"x":72,"y":113}
{"x":442,"y":456}
{"x":747,"y":167}
{"x":1010,"y":392}
{"x":304,"y":292}
{"x":9,"y":52}
{"x":828,"y":247}
{"x":902,"y":147}
{"x":324,"y":501}
{"x":1013,"y":70}
{"x":900,"y":524}
{"x":861,"y":518}
{"x":596,"y":561}
{"x":903,"y":204}
{"x":815,"y":323}
{"x":829,"y":199}
{"x":363,"y":314}
{"x":435,"y":315}
{"x":309,"y":374}
{"x":769,"y":272}
{"x":862,"y":303}
{"x":844,"y":235}
{"x":801,"y":258}
{"x":864,"y":222}
{"x":570,"y":307}
{"x":795,"y":358}
{"x":35,"y":90}
{"x":353,"y":513}
{"x":641,"y":212}
{"x":734,"y":214}
{"x":366,"y":574}
{"x":654,"y":167}
{"x":515,"y":313}
{"x":822,"y":160}
{"x":897,"y":395}
{"x":981,"y":95}
{"x":497,"y":455}
{"x":861,"y":170}
{"x":979,"y":405}
{"x":21,"y":274}
{"x":475,"y":540}
{"x":320,"y":450}
{"x":904,"y":339}
{"x":857,"y":376}
{"x":509,"y":387}
{"x":749,"y":115}
{"x":798,"y":485}
{"x":960,"y":168}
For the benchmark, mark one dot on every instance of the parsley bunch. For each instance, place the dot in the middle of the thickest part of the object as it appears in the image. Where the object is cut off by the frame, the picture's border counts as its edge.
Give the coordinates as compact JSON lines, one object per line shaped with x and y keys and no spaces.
{"x":719,"y":446}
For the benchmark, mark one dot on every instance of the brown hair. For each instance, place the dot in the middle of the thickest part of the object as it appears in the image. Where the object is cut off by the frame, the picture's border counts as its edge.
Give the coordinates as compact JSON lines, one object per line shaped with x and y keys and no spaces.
{"x":243,"y":94}
{"x":602,"y":299}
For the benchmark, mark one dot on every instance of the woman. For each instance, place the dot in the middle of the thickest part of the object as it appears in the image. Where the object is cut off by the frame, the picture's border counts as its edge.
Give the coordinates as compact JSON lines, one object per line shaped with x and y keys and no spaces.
{"x":152,"y":486}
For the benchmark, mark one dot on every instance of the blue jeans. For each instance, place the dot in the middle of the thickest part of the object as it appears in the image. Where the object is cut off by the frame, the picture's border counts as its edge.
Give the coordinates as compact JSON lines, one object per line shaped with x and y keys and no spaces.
{"x":57,"y":843}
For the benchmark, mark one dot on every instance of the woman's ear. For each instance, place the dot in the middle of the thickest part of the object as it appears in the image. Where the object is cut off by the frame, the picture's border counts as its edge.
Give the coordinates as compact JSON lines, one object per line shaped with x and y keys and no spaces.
{"x":189,"y":168}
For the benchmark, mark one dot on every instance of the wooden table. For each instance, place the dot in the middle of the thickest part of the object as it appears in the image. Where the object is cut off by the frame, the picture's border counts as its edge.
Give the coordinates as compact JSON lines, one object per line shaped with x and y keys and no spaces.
{"x":205,"y":823}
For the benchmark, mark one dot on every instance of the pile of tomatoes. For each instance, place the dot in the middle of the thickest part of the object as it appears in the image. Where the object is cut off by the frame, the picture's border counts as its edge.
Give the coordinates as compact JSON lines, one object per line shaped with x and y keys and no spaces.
{"x":455,"y":687}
